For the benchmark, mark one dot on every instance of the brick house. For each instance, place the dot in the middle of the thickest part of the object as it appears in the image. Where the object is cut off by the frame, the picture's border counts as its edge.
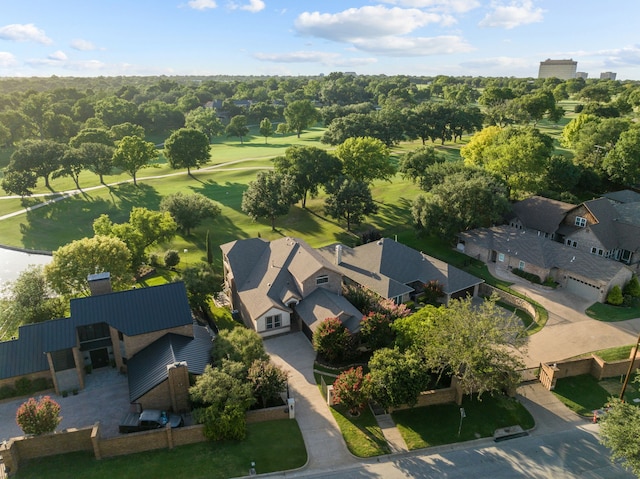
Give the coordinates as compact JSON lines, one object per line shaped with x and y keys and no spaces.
{"x":115,"y":329}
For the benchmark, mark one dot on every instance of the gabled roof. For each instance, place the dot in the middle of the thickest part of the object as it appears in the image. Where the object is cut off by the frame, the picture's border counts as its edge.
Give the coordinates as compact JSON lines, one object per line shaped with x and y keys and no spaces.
{"x":148,"y":368}
{"x":542,"y":252}
{"x":541,"y":214}
{"x":136,"y":311}
{"x":388,"y":268}
{"x":323,"y":304}
{"x":267,"y":273}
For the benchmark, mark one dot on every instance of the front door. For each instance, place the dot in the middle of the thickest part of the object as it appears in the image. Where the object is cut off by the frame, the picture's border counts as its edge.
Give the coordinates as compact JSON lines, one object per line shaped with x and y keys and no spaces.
{"x":99,"y":358}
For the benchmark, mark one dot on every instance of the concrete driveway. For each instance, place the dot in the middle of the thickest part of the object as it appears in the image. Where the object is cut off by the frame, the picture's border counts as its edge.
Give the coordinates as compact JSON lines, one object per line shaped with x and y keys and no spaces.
{"x":568,"y":332}
{"x":105,"y":399}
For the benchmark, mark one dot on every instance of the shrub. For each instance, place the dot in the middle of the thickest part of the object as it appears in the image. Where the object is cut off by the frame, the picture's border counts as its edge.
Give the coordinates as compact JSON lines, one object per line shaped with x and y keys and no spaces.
{"x":632,"y":288}
{"x":615,"y":296}
{"x":7,"y":392}
{"x":370,"y":236}
{"x":375,"y":331}
{"x":533,"y":278}
{"x":38,"y":417}
{"x":351,"y":388}
{"x":332,"y":340}
{"x":23,"y":386}
{"x":230,"y":423}
{"x":171,"y":258}
{"x":154,"y":259}
{"x":40,"y":384}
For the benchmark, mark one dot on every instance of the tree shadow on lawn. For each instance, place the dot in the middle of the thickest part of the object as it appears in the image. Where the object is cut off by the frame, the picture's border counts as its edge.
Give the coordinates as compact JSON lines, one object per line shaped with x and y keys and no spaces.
{"x":229,"y":194}
{"x":127,"y":195}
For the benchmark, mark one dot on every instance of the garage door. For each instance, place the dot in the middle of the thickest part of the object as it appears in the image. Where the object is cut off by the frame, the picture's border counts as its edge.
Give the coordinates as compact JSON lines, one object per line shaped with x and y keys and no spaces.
{"x":583,"y":289}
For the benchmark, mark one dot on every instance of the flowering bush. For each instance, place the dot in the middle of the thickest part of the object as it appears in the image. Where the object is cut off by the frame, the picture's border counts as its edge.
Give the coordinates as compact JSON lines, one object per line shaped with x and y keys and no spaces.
{"x":38,"y":416}
{"x":351,"y":388}
{"x":332,"y":340}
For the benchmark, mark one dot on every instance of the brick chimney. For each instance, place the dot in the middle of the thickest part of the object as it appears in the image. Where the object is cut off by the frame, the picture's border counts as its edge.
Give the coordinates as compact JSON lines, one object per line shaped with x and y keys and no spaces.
{"x":99,"y":283}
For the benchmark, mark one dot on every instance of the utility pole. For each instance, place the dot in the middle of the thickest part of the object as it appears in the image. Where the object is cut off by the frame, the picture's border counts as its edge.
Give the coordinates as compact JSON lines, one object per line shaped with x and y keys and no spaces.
{"x":630,"y":370}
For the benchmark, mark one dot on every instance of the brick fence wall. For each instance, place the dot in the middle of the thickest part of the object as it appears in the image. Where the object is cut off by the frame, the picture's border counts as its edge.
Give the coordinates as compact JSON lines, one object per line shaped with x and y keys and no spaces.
{"x":20,"y":449}
{"x":512,"y":299}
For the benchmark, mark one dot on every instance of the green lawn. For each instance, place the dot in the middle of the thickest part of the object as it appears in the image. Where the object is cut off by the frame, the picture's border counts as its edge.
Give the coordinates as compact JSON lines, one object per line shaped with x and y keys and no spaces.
{"x":273,"y":446}
{"x":584,"y":393}
{"x":436,"y":425}
{"x":612,"y":314}
{"x":362,"y":434}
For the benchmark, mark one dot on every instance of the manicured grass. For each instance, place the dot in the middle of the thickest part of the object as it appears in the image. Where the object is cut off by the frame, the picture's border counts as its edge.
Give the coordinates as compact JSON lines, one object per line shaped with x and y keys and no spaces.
{"x":581,"y":394}
{"x":222,"y":317}
{"x":362,"y":434}
{"x":436,"y":425}
{"x":273,"y":446}
{"x":526,"y":319}
{"x":615,"y":354}
{"x":612,"y":314}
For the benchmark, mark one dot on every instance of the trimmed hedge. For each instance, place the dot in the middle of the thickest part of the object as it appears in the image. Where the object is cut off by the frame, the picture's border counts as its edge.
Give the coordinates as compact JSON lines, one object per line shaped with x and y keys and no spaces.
{"x":533,"y":278}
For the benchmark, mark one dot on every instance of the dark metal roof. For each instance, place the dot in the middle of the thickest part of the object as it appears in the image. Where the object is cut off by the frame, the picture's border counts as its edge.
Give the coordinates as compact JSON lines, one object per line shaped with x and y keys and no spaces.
{"x":136,"y":311}
{"x":148,"y":368}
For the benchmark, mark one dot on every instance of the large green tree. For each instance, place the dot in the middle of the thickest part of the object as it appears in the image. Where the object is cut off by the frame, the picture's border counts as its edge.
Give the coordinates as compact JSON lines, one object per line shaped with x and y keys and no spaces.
{"x":237,"y":127}
{"x":365,"y":159}
{"x":189,"y":211}
{"x":414,"y":163}
{"x":269,"y":196}
{"x":98,"y":157}
{"x":300,"y":114}
{"x":201,"y":283}
{"x":187,"y":148}
{"x":308,"y":167}
{"x":241,"y":345}
{"x":132,"y":154}
{"x":41,"y":157}
{"x":266,"y":129}
{"x":349,"y":199}
{"x":73,"y":263}
{"x":206,"y":120}
{"x":267,"y":380}
{"x":622,"y":163}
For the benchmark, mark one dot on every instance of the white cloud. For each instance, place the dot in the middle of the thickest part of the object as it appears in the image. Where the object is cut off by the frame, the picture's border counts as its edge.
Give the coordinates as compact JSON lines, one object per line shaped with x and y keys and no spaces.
{"x":24,"y":33}
{"x":254,"y":6}
{"x":414,"y":46}
{"x":366,"y":22}
{"x":7,"y":59}
{"x":458,"y":6}
{"x":201,"y":4}
{"x":82,"y":45}
{"x":498,"y":62}
{"x":513,"y":15}
{"x":58,"y":55}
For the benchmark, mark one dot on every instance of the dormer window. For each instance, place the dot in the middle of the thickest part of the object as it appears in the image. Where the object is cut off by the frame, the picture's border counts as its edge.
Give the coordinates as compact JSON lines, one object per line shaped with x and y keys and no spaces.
{"x":322,"y":279}
{"x":581,"y":222}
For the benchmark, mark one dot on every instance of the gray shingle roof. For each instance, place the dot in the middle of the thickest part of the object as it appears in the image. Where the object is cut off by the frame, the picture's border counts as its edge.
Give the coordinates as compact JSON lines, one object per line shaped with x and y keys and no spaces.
{"x":623,"y":196}
{"x":323,"y":304}
{"x":541,"y":214}
{"x":388,"y":267}
{"x":148,"y":368}
{"x":542,"y":252}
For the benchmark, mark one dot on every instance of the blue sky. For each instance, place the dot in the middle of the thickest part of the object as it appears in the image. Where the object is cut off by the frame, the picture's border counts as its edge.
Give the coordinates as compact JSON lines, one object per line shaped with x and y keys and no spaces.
{"x":309,"y":37}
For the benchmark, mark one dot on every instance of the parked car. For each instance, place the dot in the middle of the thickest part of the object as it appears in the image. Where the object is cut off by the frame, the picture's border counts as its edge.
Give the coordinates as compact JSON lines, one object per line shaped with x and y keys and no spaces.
{"x":149,"y":419}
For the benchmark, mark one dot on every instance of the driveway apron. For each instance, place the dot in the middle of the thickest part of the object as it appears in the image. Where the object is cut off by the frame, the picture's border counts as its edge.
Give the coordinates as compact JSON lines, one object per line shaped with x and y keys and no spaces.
{"x":325,"y":445}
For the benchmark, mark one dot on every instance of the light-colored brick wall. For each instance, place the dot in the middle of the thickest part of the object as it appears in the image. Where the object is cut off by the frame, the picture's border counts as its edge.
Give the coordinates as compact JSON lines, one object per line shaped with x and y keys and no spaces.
{"x":309,"y":285}
{"x":158,"y":398}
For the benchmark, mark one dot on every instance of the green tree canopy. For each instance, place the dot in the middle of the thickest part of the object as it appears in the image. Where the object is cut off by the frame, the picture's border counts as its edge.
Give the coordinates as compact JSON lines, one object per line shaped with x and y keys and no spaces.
{"x":413,"y":164}
{"x":266,"y":129}
{"x":98,"y":157}
{"x":205,"y":120}
{"x":622,"y":163}
{"x":189,"y":211}
{"x":187,"y":148}
{"x":201,"y":283}
{"x":241,"y":345}
{"x":365,"y":159}
{"x":300,"y":114}
{"x":270,"y":195}
{"x":308,"y":167}
{"x":267,"y":380}
{"x":132,"y":154}
{"x":38,"y":416}
{"x":238,"y":127}
{"x":41,"y":157}
{"x":349,"y":199}
{"x":73,"y":263}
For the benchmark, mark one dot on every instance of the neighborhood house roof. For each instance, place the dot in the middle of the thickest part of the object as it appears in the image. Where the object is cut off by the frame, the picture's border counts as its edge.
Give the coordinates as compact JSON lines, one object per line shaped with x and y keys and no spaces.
{"x":388,"y":268}
{"x":266,"y":274}
{"x":148,"y":368}
{"x":133,"y":312}
{"x":623,"y":196}
{"x":323,"y":304}
{"x":542,"y":252}
{"x":541,"y":214}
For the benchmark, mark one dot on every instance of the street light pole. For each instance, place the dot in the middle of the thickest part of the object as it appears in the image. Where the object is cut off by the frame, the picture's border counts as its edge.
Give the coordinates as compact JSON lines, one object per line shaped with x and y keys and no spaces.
{"x":630,"y":370}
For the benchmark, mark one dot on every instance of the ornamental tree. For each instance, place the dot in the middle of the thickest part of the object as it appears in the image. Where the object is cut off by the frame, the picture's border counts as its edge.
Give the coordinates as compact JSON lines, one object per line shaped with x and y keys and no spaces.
{"x":189,"y":211}
{"x":38,"y":416}
{"x":332,"y":340}
{"x":187,"y":148}
{"x":351,"y":388}
{"x":267,"y":379}
{"x":619,"y":431}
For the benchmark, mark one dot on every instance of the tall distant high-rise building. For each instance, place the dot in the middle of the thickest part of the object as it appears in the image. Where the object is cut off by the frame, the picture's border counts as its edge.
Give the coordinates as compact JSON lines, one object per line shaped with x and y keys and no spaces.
{"x":563,"y":69}
{"x":582,"y":75}
{"x":608,"y":76}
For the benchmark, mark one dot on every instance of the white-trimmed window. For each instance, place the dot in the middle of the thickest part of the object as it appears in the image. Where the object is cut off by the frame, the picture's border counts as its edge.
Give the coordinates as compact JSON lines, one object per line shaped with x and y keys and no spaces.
{"x":323,"y":279}
{"x":581,"y":222}
{"x":521,"y":265}
{"x":274,"y":321}
{"x":597,"y":251}
{"x":572,"y":243}
{"x":501,"y":257}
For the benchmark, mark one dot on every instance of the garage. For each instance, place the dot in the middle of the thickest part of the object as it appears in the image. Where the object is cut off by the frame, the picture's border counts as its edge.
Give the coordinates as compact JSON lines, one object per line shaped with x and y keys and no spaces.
{"x":583,"y":289}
